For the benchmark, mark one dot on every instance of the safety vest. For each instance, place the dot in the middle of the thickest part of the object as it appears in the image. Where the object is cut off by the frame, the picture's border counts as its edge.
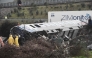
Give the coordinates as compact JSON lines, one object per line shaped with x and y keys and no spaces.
{"x":16,"y":41}
{"x":10,"y":40}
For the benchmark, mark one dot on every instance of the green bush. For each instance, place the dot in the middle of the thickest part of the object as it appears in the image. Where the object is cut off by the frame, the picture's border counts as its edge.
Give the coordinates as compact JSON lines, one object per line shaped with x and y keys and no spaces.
{"x":9,"y":15}
{"x":89,"y":6}
{"x":41,"y":12}
{"x":83,"y":5}
{"x":79,"y":9}
{"x":37,"y":12}
{"x":71,"y":5}
{"x":77,"y":51}
{"x":15,"y":10}
{"x":18,"y":14}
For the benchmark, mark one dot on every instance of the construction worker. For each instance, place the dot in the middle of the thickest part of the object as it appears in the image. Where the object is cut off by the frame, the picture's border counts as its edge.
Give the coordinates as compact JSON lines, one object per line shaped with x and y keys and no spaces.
{"x":16,"y":41}
{"x":11,"y":40}
{"x":1,"y":42}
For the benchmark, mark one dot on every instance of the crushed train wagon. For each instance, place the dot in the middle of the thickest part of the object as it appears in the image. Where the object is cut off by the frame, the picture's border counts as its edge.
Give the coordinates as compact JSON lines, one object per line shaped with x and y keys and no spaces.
{"x":50,"y":30}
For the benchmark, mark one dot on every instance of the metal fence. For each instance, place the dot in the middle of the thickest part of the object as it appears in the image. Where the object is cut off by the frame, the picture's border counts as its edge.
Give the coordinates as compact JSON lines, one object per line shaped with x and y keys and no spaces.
{"x":39,"y":2}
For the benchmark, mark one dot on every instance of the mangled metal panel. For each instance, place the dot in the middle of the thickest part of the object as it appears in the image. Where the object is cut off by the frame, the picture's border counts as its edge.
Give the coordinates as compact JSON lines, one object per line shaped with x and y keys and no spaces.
{"x":51,"y":29}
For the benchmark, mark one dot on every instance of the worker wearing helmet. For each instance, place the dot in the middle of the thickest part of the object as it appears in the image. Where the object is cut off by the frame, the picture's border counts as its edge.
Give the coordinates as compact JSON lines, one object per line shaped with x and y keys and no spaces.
{"x":10,"y":40}
{"x":1,"y":42}
{"x":16,"y":41}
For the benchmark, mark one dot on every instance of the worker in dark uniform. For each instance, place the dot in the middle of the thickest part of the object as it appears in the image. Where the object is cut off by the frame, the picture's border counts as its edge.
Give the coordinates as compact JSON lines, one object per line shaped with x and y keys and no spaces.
{"x":19,"y":4}
{"x":89,"y":26}
{"x":89,"y":23}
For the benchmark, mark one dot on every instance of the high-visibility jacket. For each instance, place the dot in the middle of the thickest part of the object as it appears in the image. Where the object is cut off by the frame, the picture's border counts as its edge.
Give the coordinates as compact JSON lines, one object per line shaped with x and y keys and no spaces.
{"x":11,"y":40}
{"x":16,"y":41}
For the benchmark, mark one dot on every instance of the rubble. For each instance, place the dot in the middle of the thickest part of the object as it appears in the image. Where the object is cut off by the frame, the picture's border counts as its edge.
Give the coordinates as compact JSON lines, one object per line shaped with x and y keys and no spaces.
{"x":8,"y":51}
{"x":36,"y":48}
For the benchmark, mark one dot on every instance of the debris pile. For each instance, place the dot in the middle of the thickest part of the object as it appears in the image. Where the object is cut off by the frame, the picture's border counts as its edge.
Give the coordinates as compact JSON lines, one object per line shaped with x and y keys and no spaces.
{"x":8,"y":51}
{"x":56,"y":47}
{"x":36,"y":48}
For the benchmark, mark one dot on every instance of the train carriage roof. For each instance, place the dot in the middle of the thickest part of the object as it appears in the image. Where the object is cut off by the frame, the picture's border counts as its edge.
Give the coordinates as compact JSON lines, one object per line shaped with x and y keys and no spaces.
{"x":65,"y":25}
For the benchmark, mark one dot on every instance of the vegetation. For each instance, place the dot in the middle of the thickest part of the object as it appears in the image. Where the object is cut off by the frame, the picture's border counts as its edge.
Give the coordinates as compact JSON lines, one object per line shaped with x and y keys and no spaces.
{"x":40,"y":12}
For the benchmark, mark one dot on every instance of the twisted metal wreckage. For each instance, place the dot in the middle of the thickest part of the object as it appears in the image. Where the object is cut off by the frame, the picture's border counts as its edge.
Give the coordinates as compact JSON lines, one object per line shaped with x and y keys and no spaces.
{"x":61,"y":32}
{"x":51,"y":30}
